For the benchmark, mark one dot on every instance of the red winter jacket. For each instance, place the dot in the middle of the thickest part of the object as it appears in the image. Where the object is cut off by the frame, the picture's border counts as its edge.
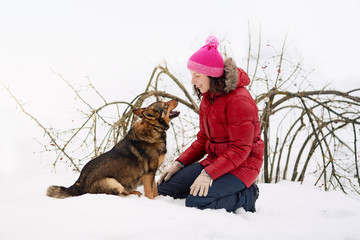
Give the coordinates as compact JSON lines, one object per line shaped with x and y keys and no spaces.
{"x":229,"y":131}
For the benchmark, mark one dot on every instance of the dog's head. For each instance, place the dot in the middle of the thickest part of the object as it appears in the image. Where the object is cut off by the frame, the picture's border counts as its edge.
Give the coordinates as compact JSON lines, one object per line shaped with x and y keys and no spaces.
{"x":158,"y":113}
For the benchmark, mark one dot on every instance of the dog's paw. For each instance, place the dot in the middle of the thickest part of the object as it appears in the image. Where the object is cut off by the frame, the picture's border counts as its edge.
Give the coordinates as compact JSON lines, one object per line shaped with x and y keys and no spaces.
{"x":136,"y":193}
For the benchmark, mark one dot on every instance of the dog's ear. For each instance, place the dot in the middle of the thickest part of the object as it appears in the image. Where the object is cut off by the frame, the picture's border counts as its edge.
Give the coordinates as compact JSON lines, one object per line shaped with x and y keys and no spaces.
{"x":138,"y":112}
{"x":150,"y":114}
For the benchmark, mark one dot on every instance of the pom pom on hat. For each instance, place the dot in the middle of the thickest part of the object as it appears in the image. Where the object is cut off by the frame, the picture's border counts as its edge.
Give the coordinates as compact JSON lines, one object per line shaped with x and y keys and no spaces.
{"x":212,"y":41}
{"x":207,"y":60}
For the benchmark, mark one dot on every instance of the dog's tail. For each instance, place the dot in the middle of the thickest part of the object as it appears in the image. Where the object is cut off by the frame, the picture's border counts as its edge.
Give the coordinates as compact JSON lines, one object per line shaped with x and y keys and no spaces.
{"x":63,"y":192}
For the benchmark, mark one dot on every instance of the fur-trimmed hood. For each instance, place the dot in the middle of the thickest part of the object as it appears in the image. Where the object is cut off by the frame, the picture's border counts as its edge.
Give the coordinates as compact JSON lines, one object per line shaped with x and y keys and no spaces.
{"x":235,"y":77}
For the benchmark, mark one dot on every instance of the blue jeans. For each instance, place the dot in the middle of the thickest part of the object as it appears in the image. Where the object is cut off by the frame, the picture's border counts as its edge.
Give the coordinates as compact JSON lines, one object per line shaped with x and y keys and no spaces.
{"x":226,"y":192}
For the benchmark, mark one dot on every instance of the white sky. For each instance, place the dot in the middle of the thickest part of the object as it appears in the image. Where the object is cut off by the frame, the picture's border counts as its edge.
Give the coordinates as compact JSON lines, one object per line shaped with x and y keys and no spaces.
{"x":117,"y":44}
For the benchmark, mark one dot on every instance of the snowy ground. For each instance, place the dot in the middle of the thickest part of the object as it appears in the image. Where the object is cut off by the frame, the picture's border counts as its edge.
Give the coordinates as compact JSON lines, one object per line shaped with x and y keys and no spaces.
{"x":118,"y":43}
{"x":285,"y":211}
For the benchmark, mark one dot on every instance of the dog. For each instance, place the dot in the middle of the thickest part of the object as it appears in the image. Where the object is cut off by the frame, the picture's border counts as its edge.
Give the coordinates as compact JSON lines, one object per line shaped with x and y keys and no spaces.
{"x":132,"y":161}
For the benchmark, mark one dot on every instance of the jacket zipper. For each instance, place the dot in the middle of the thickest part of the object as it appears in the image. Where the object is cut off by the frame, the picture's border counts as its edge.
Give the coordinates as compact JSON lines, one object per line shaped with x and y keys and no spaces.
{"x":206,"y":118}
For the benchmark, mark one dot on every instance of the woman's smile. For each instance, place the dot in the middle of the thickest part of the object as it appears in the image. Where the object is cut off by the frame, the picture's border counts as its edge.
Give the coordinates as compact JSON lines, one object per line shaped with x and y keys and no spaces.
{"x":201,"y":81}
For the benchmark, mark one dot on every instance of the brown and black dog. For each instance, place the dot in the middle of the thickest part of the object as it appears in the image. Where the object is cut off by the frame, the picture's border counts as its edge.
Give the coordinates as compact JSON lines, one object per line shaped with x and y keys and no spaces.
{"x":132,"y":161}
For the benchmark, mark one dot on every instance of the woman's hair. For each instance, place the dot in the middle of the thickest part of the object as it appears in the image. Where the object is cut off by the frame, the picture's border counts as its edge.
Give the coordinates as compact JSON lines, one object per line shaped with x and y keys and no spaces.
{"x":217,"y":85}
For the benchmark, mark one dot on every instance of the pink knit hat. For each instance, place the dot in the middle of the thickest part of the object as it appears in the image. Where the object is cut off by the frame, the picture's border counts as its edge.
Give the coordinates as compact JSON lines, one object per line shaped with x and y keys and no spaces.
{"x":207,"y":60}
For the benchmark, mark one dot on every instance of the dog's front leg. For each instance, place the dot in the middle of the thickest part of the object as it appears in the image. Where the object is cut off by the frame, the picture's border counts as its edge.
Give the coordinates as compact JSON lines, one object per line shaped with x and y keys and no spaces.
{"x":156,"y":193}
{"x":150,"y":188}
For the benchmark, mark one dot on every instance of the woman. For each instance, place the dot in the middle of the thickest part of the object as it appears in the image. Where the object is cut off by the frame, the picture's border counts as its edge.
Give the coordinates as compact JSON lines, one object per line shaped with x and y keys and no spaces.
{"x":229,"y":137}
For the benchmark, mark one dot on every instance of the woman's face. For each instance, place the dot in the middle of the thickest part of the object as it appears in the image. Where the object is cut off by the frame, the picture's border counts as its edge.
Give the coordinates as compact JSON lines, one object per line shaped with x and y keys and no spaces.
{"x":201,"y":81}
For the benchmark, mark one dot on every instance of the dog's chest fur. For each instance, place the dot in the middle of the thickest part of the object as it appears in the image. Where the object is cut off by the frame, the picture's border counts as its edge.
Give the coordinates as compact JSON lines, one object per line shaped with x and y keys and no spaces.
{"x":147,"y":146}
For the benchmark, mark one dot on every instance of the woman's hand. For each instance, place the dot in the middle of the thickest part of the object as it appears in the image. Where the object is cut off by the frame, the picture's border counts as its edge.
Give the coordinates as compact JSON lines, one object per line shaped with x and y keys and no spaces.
{"x":201,"y":185}
{"x":170,"y":172}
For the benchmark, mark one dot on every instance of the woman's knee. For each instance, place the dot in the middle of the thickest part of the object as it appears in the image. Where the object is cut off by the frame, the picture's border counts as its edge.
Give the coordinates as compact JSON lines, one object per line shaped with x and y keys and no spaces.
{"x":163,"y":190}
{"x":168,"y":189}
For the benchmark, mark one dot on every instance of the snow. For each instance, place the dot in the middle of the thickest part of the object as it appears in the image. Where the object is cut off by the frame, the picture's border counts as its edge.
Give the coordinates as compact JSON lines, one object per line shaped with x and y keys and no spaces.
{"x":286,"y":210}
{"x":105,"y":41}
